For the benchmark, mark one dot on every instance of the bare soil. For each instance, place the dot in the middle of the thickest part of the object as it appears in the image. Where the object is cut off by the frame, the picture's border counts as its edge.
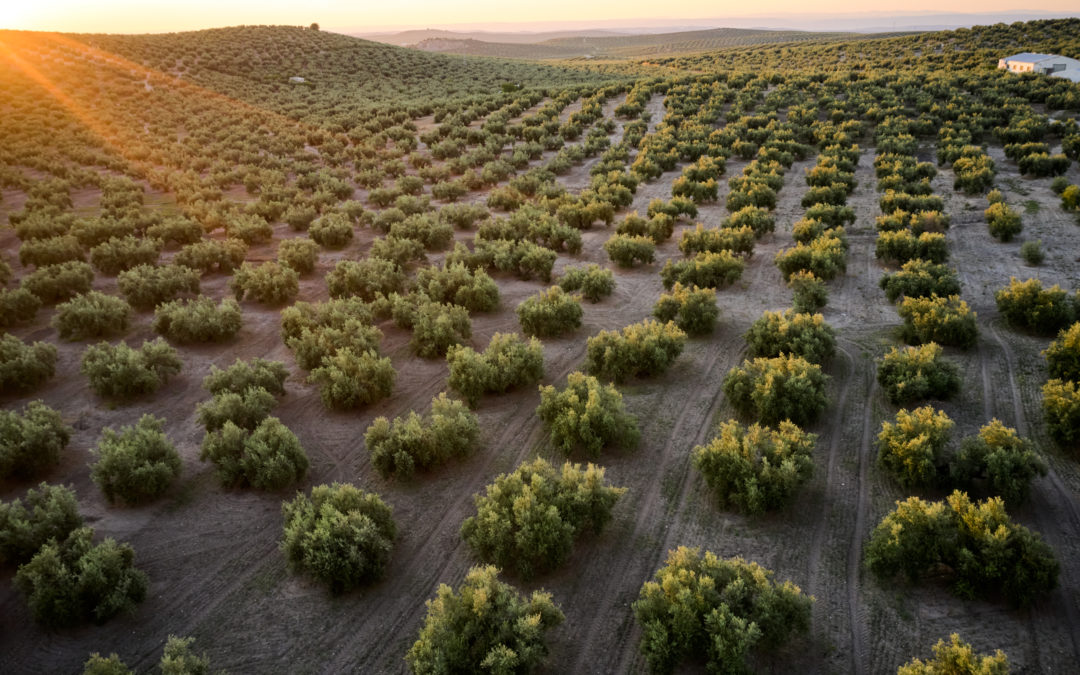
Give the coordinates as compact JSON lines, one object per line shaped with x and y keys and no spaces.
{"x":212,"y":554}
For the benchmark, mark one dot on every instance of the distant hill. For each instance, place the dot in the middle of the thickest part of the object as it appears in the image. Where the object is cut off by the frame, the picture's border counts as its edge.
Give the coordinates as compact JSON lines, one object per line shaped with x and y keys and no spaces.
{"x":505,"y":50}
{"x":414,"y":37}
{"x":255,"y":63}
{"x":621,"y":46}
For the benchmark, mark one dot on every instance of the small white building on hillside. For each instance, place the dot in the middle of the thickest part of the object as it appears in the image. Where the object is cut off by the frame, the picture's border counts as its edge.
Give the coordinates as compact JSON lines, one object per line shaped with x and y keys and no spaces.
{"x":1043,"y":64}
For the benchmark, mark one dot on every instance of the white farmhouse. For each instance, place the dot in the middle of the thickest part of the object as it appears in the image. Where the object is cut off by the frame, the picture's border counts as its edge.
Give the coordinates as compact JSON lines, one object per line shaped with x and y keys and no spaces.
{"x":1043,"y":64}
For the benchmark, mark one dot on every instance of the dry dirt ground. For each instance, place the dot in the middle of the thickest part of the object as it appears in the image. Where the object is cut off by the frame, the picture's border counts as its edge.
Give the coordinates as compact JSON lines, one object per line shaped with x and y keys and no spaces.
{"x":212,"y":554}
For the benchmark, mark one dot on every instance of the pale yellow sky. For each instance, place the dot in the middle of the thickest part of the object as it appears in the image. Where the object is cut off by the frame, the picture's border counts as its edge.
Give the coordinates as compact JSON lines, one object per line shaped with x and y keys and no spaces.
{"x":137,"y":16}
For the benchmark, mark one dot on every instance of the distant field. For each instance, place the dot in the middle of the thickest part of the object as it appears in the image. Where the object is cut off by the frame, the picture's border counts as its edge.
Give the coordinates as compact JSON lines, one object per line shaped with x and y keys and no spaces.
{"x":625,"y":46}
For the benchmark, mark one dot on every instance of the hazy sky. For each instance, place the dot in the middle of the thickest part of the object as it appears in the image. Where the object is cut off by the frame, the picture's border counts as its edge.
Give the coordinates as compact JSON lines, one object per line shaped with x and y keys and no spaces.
{"x":134,"y":16}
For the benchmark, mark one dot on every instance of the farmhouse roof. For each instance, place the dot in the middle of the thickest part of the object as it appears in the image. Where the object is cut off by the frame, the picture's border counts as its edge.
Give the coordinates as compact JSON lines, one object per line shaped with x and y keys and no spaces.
{"x":1072,"y":75}
{"x":1029,"y":57}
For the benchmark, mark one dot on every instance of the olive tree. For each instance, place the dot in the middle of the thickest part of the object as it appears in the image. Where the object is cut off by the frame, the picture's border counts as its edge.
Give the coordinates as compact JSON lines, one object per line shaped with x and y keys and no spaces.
{"x":719,"y":610}
{"x":413,"y":443}
{"x":775,"y":389}
{"x":756,"y":468}
{"x":31,"y":442}
{"x":963,"y":538}
{"x":529,"y":519}
{"x":136,"y":464}
{"x":484,"y":625}
{"x":71,"y":581}
{"x":340,"y":535}
{"x":586,"y":415}
{"x":48,"y":512}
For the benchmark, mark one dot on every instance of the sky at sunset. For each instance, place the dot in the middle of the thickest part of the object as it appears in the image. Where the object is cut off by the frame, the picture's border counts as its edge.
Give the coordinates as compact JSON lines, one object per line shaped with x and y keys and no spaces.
{"x":134,"y":16}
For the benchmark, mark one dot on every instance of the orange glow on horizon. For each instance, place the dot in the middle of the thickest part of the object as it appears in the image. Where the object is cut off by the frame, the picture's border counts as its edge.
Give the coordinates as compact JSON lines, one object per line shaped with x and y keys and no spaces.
{"x":132,"y":16}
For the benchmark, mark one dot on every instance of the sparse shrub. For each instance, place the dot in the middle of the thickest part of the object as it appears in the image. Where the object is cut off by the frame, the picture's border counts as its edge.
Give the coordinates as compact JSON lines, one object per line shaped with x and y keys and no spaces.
{"x":789,"y":332}
{"x":51,"y":251}
{"x":1061,"y":409}
{"x":198,"y":320}
{"x":57,"y":283}
{"x":999,"y":457}
{"x":178,"y":658}
{"x":92,"y":314}
{"x":18,"y":305}
{"x":522,"y":258}
{"x":586,"y":415}
{"x":917,"y":373}
{"x":298,"y":254}
{"x":754,"y":194}
{"x":946,"y":320}
{"x":246,"y":409}
{"x":756,"y":468}
{"x":692,"y":309}
{"x":705,"y":270}
{"x":93,"y":231}
{"x":659,"y":228}
{"x":461,"y":216}
{"x":701,"y":607}
{"x":920,"y":278}
{"x":300,"y":216}
{"x":268,"y":458}
{"x":964,"y":539}
{"x":340,"y":535}
{"x":777,"y":389}
{"x":71,"y":581}
{"x":913,"y":449}
{"x":1032,"y":253}
{"x":398,"y":250}
{"x":332,"y":231}
{"x":625,"y":250}
{"x":119,"y":254}
{"x":1070,"y":198}
{"x":241,"y":375}
{"x":100,"y":665}
{"x":432,"y":234}
{"x":824,"y":257}
{"x":1025,"y":304}
{"x":530,"y":518}
{"x":506,"y":631}
{"x":349,"y":379}
{"x":270,"y":283}
{"x":901,"y":246}
{"x":435,"y":326}
{"x":1043,"y":164}
{"x":48,"y":512}
{"x":549,"y":313}
{"x":408,"y":444}
{"x":137,"y":464}
{"x":457,"y":284}
{"x":365,"y":278}
{"x":118,"y":371}
{"x":1004,"y":223}
{"x":249,"y":228}
{"x":716,"y":239}
{"x":957,"y":658}
{"x":147,"y":286}
{"x":212,"y":256}
{"x":594,"y":282}
{"x":757,"y":219}
{"x":31,"y":443}
{"x":641,"y":349}
{"x":507,"y":362}
{"x":809,"y":292}
{"x":831,"y":215}
{"x":1063,"y":355}
{"x":24,"y":366}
